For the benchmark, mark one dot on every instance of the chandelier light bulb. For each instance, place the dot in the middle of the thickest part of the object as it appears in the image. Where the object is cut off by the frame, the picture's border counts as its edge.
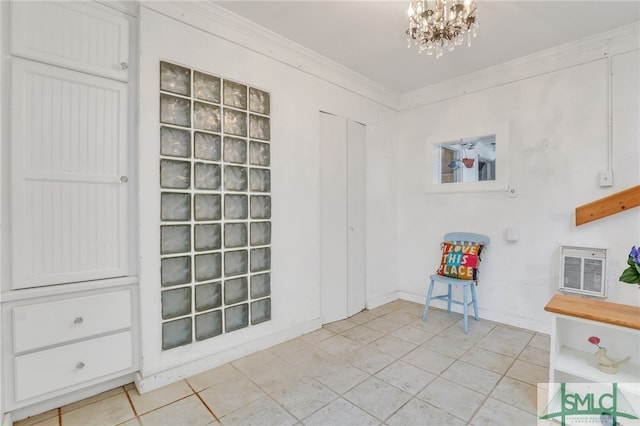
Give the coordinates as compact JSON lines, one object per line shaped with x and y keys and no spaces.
{"x":441,"y":24}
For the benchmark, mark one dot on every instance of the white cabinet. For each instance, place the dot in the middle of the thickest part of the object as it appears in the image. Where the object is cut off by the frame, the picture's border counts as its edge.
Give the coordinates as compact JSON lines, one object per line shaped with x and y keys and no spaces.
{"x":572,"y":358}
{"x":64,"y":343}
{"x":68,"y":143}
{"x":69,"y":293}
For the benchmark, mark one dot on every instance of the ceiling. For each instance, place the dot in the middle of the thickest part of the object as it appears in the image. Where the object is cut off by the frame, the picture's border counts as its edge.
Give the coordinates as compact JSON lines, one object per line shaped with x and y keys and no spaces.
{"x":369,"y":36}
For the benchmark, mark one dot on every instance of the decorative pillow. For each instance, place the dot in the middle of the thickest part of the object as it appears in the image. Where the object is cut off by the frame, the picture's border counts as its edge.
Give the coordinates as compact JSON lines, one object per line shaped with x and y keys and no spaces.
{"x":460,"y":261}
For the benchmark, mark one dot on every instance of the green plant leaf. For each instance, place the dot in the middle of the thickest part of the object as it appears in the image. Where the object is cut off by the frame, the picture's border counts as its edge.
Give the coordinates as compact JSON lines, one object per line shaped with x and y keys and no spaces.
{"x":630,"y":276}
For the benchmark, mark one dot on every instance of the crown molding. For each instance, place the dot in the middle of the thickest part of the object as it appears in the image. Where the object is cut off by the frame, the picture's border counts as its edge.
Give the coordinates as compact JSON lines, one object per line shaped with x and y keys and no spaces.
{"x":221,"y":23}
{"x":130,"y":7}
{"x":597,"y":47}
{"x":228,"y":26}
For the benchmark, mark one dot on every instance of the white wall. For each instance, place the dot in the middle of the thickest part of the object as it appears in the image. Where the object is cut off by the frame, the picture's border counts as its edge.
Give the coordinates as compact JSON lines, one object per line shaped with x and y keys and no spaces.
{"x":296,"y":99}
{"x":382,"y":212}
{"x":557,"y":136}
{"x":557,"y":123}
{"x":3,"y":42}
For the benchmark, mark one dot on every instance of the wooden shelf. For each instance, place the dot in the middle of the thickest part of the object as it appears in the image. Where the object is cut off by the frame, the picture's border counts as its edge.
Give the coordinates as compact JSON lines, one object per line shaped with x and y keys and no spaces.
{"x":595,"y":310}
{"x":616,"y":203}
{"x":583,"y":365}
{"x":571,"y":355}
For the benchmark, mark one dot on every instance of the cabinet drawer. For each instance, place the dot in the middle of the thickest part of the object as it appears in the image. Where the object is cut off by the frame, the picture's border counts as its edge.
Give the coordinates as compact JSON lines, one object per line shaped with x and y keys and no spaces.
{"x":46,"y":371}
{"x":50,"y":323}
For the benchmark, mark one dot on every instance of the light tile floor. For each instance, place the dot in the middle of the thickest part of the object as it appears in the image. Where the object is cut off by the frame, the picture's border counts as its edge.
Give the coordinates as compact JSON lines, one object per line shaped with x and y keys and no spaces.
{"x":384,"y":366}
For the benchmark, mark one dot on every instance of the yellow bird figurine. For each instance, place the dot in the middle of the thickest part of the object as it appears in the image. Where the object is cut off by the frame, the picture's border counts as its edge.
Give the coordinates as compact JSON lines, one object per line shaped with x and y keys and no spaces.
{"x":607,"y":364}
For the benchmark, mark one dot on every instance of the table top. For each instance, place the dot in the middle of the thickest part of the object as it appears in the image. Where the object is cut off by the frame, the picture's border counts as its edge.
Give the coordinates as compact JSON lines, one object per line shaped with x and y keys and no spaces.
{"x":595,"y":310}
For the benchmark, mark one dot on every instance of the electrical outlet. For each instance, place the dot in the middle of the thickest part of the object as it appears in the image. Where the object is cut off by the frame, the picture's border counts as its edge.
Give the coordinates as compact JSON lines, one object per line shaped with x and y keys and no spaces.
{"x":606,"y":178}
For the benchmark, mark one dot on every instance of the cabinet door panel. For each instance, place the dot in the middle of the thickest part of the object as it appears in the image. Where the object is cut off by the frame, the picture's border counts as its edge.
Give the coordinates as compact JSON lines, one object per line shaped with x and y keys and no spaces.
{"x":71,"y":34}
{"x":69,"y":154}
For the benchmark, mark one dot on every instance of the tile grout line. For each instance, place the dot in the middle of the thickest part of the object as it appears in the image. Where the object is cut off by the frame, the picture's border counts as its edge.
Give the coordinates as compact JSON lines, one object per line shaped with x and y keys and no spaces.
{"x":202,"y":401}
{"x":458,"y":358}
{"x":325,"y":405}
{"x":369,"y":375}
{"x":135,"y":412}
{"x":373,"y":375}
{"x":137,"y":419}
{"x":164,"y":405}
{"x":305,"y":374}
{"x":488,"y":395}
{"x":396,"y":359}
{"x":444,"y":378}
{"x":268,"y":394}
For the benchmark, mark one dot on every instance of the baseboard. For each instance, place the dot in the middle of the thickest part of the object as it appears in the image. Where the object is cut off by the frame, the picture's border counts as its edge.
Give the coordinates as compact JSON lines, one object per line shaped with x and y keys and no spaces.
{"x":531,"y":324}
{"x":374,"y":302}
{"x":179,"y":372}
{"x":412,"y":297}
{"x":421,"y":299}
{"x":501,"y":317}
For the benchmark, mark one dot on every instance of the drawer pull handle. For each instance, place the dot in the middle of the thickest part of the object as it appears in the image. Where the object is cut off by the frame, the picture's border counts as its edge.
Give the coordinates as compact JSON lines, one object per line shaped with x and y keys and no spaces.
{"x":78,"y":320}
{"x":80,"y":365}
{"x":124,"y":66}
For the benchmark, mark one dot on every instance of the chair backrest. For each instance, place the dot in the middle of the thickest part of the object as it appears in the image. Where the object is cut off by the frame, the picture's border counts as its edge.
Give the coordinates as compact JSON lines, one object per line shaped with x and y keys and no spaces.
{"x":466,"y":237}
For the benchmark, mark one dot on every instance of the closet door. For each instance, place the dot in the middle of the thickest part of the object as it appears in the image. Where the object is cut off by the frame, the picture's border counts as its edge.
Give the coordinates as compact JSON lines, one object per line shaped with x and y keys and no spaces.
{"x":68,"y":176}
{"x":342,"y":240}
{"x":356,"y":217}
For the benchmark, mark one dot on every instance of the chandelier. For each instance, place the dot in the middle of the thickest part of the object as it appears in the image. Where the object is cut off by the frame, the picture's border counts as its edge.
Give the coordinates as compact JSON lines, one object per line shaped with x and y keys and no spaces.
{"x":435,"y":25}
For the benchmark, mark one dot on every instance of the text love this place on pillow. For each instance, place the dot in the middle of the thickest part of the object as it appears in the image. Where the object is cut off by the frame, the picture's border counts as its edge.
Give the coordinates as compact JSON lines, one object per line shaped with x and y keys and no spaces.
{"x":460,"y":261}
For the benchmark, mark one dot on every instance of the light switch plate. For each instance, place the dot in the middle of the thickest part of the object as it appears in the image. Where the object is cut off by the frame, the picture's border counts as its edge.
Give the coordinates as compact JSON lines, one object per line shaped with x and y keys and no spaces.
{"x":606,"y":178}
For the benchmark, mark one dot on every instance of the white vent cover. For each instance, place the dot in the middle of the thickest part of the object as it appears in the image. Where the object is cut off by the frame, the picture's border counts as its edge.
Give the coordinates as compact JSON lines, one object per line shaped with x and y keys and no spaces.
{"x":583,"y":271}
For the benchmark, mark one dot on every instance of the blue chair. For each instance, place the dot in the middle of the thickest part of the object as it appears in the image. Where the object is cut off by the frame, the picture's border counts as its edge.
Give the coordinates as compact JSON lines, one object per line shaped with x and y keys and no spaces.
{"x":457,"y":238}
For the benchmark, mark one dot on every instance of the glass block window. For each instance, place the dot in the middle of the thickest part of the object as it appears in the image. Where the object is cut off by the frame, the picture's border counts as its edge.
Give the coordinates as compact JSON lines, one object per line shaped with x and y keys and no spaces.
{"x":215,"y":205}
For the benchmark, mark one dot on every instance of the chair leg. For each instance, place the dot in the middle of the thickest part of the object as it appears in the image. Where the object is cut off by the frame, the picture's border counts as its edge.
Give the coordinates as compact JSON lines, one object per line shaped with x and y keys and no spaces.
{"x":465,"y":309}
{"x":427,"y":302}
{"x":475,"y":301}
{"x":449,"y":297}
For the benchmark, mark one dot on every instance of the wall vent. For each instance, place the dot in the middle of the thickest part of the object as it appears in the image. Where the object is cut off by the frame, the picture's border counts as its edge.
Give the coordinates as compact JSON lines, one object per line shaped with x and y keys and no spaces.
{"x":582,"y":271}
